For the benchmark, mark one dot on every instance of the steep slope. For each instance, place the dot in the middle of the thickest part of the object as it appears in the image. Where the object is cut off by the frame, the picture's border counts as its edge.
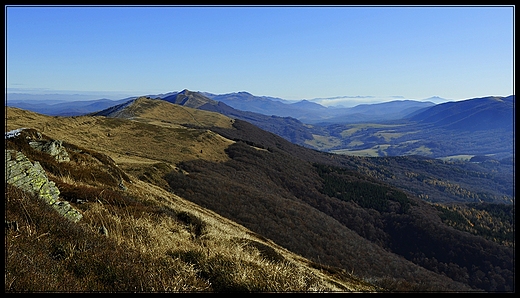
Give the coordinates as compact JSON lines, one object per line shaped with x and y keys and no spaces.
{"x":289,"y":128}
{"x":376,"y":220}
{"x":472,"y":114}
{"x":137,"y":237}
{"x":277,"y":189}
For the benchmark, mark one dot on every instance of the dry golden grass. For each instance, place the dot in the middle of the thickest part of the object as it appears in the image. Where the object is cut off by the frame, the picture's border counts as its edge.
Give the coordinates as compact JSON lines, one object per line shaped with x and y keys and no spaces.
{"x":153,"y":230}
{"x":155,"y":240}
{"x":222,"y":239}
{"x":134,"y":142}
{"x":162,"y":113}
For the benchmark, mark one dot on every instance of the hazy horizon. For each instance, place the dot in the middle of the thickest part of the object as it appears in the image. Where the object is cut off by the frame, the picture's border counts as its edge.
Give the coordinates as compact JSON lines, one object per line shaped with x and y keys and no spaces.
{"x":56,"y":96}
{"x":288,"y":52}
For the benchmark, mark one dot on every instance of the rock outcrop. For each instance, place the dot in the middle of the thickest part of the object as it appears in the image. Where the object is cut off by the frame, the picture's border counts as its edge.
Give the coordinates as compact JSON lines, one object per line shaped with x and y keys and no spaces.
{"x":54,"y":148}
{"x":22,"y":173}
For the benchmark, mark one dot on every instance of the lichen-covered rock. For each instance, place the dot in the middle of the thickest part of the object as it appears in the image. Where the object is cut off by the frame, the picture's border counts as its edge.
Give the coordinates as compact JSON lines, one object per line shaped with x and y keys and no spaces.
{"x":22,"y":173}
{"x":53,"y":148}
{"x":64,"y":208}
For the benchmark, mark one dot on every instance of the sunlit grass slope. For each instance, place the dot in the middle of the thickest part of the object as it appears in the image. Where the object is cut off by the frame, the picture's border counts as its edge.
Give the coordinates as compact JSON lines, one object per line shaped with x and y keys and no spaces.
{"x":152,"y":240}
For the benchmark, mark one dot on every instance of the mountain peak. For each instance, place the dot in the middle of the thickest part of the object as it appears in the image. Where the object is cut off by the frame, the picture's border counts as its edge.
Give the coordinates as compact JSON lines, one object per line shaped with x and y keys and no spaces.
{"x":185,"y":91}
{"x":436,"y":99}
{"x":189,"y":98}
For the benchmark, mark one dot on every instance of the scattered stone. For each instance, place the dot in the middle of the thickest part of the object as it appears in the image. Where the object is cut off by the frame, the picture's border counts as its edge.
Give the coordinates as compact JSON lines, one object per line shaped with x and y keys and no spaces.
{"x":30,"y":177}
{"x":122,"y":185}
{"x":53,"y":148}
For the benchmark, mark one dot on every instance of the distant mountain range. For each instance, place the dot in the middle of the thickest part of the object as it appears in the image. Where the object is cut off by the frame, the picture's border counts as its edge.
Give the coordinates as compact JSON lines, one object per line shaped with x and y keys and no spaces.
{"x":65,"y":108}
{"x":399,"y":127}
{"x":312,"y":112}
{"x":473,"y":114}
{"x":306,"y":111}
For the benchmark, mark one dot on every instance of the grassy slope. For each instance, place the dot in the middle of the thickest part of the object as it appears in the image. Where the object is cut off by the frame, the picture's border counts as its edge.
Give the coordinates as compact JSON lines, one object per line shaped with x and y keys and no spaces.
{"x":160,"y":147}
{"x":157,"y":241}
{"x":168,"y":142}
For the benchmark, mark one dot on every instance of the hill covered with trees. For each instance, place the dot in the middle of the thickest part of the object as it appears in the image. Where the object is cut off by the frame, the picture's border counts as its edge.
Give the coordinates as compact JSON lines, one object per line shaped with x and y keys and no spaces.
{"x":350,"y":217}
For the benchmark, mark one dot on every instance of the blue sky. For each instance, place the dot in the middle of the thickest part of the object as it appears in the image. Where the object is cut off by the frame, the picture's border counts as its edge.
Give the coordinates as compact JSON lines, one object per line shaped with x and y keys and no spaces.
{"x":287,"y":52}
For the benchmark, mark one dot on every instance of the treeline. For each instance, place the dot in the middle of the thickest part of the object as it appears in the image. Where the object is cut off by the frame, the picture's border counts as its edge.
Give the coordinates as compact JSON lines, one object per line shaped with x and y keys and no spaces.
{"x":420,"y":241}
{"x":440,"y":141}
{"x":440,"y":181}
{"x":366,"y":194}
{"x":312,"y":209}
{"x":494,"y":222}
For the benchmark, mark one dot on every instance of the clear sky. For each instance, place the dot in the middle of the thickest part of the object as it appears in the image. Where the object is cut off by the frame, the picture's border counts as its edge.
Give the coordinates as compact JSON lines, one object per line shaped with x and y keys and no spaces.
{"x":287,"y":52}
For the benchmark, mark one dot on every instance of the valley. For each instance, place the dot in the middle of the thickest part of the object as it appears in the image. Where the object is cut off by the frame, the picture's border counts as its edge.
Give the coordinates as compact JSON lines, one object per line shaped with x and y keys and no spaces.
{"x":222,"y":149}
{"x":474,"y":127}
{"x":400,"y":138}
{"x":235,"y":169}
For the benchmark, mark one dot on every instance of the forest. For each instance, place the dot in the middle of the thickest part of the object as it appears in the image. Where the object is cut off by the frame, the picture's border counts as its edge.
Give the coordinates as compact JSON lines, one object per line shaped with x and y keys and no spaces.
{"x":408,"y":223}
{"x":271,"y":191}
{"x":401,"y":137}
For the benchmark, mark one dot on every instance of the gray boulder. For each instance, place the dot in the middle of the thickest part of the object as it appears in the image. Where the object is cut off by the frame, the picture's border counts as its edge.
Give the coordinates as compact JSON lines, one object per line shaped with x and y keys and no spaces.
{"x":22,"y":173}
{"x":53,"y":148}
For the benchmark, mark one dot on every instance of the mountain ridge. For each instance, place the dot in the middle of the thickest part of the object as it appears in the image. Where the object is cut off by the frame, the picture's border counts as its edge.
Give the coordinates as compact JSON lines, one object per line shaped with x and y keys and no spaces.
{"x":264,"y":172}
{"x":396,"y":137}
{"x":243,"y":100}
{"x":311,"y":112}
{"x":471,"y":114}
{"x":287,"y":127}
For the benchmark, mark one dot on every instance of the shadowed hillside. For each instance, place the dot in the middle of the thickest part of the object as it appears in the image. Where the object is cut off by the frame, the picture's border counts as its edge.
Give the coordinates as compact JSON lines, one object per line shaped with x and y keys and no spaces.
{"x":137,"y":237}
{"x":379,"y":219}
{"x":289,"y":128}
{"x":333,"y":210}
{"x":472,"y":114}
